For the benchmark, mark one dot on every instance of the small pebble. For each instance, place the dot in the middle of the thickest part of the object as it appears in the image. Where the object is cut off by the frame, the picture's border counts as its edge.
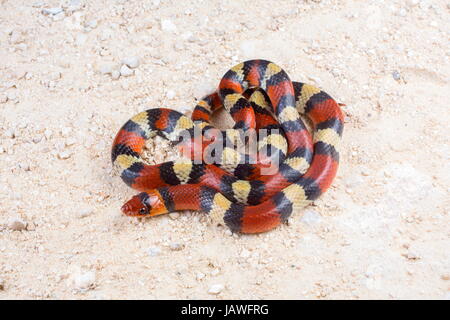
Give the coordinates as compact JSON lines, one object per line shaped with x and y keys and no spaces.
{"x":168,"y":26}
{"x":16,"y":37}
{"x":84,"y":281}
{"x":176,"y":246}
{"x":2,"y":285}
{"x":11,"y":95}
{"x":75,"y":3}
{"x":424,"y":5}
{"x":54,"y":76}
{"x":85,"y":212}
{"x":170,"y":94}
{"x":174,"y":215}
{"x":396,"y":75}
{"x":51,"y":11}
{"x":70,"y":141}
{"x":125,"y":71}
{"x":115,"y":75}
{"x":411,"y":255}
{"x":245,"y":253}
{"x":31,"y":226}
{"x":92,"y":24}
{"x":153,"y":252}
{"x":65,"y":131}
{"x":132,"y":62}
{"x":59,"y":16}
{"x":24,"y":166}
{"x":80,"y":39}
{"x":445,"y":276}
{"x":48,"y":134}
{"x":20,"y":74}
{"x":106,"y":68}
{"x":38,"y":4}
{"x":215,"y":289}
{"x":248,"y":48}
{"x":215,"y":272}
{"x":64,"y":155}
{"x":17,"y":224}
{"x":311,"y":217}
{"x":10,"y":133}
{"x":200,"y":276}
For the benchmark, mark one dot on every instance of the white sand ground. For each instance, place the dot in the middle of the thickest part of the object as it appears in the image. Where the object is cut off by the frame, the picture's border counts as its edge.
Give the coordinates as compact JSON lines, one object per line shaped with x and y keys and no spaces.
{"x":382,"y":230}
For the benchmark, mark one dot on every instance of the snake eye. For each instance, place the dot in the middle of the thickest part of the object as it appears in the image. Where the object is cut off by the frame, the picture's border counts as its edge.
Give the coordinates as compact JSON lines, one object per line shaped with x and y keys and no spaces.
{"x":143,"y":211}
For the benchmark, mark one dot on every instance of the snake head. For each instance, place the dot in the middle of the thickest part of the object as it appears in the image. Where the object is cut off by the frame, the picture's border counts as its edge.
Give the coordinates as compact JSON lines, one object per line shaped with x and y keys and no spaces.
{"x":145,"y":204}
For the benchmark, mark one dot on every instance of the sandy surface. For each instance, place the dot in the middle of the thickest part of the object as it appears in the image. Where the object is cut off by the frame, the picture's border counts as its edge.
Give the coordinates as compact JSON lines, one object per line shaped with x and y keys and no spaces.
{"x":381,"y":231}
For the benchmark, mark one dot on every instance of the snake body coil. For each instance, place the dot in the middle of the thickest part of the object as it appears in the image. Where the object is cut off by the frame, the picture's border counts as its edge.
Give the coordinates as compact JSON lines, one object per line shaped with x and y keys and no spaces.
{"x":259,"y":95}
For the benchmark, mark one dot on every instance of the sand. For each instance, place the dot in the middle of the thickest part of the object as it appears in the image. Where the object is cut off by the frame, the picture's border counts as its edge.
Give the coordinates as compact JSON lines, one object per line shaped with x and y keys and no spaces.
{"x":380,"y":232}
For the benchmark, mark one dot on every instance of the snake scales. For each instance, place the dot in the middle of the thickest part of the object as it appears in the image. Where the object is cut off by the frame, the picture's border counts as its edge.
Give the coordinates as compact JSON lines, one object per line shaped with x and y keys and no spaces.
{"x":259,"y":95}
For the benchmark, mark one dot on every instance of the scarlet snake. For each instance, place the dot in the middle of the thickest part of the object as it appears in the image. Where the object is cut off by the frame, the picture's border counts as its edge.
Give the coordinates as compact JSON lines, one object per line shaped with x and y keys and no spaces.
{"x":255,"y":203}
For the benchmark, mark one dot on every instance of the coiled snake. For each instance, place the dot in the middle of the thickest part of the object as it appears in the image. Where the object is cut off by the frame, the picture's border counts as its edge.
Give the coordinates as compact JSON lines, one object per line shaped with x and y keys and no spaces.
{"x":259,"y":95}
